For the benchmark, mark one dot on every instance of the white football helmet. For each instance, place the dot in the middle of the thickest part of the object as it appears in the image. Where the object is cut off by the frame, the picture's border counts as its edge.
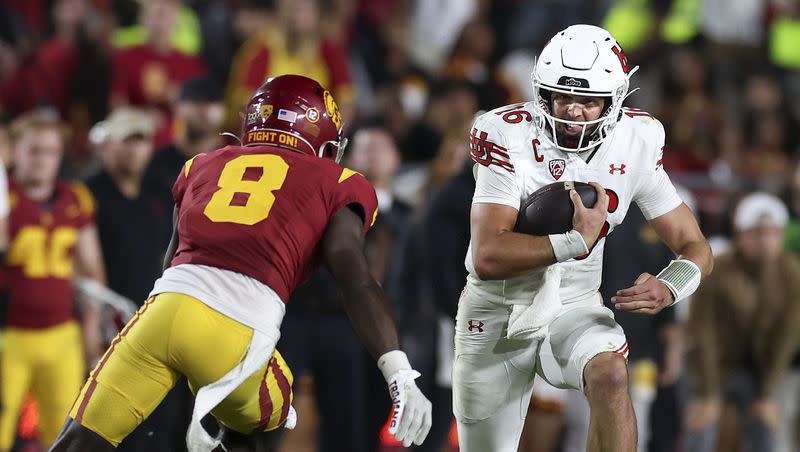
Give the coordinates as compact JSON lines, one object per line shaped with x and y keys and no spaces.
{"x":582,"y":60}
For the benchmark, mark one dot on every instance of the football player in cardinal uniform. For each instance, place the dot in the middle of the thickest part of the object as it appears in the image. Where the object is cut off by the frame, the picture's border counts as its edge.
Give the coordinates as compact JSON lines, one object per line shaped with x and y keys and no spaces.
{"x":251,"y":224}
{"x":53,"y":239}
{"x":531,"y":307}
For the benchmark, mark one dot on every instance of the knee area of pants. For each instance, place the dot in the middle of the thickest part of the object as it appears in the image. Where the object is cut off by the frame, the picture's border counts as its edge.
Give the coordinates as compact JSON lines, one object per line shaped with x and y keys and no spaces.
{"x":606,"y":373}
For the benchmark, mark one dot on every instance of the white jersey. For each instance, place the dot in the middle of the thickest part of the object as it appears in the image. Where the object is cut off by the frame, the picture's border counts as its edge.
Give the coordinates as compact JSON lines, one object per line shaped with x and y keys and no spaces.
{"x":513,"y":160}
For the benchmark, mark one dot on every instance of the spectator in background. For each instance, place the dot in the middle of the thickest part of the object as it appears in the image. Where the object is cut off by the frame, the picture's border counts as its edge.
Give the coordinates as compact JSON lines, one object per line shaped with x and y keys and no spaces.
{"x":294,"y":44}
{"x":767,"y":121}
{"x":449,"y":109}
{"x":435,"y":28}
{"x":216,"y":25}
{"x":766,"y":162}
{"x":47,"y":77}
{"x":199,"y":113}
{"x":128,"y":219}
{"x":470,"y":61}
{"x":690,"y":112}
{"x":53,"y":239}
{"x":69,"y":71}
{"x":374,"y":153}
{"x":742,"y":329}
{"x":150,"y":75}
{"x":184,"y":33}
{"x":125,"y":217}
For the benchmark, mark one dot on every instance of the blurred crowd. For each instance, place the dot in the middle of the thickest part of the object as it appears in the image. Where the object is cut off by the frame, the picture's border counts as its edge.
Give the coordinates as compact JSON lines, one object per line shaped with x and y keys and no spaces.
{"x":136,"y":88}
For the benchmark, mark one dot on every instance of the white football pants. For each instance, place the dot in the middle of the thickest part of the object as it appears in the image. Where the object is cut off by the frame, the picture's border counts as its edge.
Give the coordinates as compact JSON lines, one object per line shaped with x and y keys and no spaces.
{"x":493,"y":376}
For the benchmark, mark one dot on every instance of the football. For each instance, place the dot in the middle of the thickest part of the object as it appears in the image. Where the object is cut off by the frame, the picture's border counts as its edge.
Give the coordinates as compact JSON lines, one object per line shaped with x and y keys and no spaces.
{"x":549,"y":210}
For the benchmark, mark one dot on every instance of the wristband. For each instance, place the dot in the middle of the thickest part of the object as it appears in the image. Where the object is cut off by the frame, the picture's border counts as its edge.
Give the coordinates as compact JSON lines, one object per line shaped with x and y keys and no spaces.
{"x":569,"y":245}
{"x":392,"y":362}
{"x":682,"y":278}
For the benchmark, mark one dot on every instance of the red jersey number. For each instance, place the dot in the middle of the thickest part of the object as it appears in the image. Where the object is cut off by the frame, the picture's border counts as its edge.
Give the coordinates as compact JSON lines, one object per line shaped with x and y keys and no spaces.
{"x":515,"y":114}
{"x":613,"y":203}
{"x":245,"y":196}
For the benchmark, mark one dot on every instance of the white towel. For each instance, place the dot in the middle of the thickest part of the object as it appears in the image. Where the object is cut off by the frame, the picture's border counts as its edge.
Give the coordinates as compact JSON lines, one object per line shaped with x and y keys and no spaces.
{"x":529,"y":321}
{"x":258,"y":353}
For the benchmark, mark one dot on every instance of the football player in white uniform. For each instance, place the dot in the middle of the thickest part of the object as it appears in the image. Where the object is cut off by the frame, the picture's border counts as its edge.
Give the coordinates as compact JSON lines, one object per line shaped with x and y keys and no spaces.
{"x":531,"y":305}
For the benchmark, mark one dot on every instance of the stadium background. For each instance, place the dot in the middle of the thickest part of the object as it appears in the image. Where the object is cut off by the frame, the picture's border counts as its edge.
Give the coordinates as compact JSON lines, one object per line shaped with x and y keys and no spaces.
{"x":409,"y":77}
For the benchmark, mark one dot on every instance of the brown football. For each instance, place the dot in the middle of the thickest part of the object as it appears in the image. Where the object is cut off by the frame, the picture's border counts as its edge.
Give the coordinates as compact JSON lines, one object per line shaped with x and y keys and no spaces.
{"x":549,"y":210}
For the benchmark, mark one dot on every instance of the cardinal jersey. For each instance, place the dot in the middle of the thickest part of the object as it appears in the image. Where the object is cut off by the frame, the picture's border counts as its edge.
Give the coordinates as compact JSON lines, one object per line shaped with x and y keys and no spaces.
{"x":513,"y":160}
{"x":39,"y":268}
{"x":261,"y":211}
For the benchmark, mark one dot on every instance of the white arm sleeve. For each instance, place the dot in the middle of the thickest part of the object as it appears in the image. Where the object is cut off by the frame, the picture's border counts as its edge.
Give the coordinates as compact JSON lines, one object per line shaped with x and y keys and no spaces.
{"x":655,"y":194}
{"x":4,"y":205}
{"x":495,"y":177}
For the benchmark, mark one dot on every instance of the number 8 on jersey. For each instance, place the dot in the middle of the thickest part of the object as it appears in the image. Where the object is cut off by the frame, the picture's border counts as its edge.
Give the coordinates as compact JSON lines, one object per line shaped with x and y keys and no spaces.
{"x":259,"y":193}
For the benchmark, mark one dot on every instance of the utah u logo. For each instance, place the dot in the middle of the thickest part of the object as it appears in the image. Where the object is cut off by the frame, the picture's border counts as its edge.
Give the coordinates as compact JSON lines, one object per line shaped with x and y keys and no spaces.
{"x":557,"y":168}
{"x":472,"y":325}
{"x":620,"y":168}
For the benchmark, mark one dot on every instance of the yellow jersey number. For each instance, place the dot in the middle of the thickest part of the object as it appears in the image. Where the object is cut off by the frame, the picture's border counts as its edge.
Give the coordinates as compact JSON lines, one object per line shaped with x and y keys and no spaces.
{"x":260,"y":196}
{"x":42,"y":254}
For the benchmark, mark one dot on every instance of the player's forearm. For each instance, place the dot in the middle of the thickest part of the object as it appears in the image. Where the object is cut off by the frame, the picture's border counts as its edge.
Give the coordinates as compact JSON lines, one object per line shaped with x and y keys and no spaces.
{"x":173,"y":241}
{"x":90,"y":326}
{"x":698,"y":252}
{"x":510,"y":254}
{"x":371,"y":316}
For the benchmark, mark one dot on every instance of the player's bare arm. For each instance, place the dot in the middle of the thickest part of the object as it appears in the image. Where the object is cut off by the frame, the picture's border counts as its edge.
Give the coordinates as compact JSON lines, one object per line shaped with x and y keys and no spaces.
{"x":369,"y":311}
{"x":365,"y":302}
{"x":89,"y":264}
{"x":89,"y":255}
{"x":679,"y":230}
{"x":173,"y":241}
{"x":500,"y":253}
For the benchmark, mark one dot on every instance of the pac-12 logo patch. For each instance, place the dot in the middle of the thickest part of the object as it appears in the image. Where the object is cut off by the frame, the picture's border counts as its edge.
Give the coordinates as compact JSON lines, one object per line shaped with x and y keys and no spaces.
{"x":557,"y":168}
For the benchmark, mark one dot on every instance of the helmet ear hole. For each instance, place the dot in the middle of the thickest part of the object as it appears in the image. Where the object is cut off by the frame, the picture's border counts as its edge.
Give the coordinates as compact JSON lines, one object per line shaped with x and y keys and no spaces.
{"x":329,"y":151}
{"x":607,"y":103}
{"x":547,"y":97}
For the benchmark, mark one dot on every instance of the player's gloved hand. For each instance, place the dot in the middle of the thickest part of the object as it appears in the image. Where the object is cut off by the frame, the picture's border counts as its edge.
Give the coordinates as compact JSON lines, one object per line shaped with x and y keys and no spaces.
{"x":411,"y":410}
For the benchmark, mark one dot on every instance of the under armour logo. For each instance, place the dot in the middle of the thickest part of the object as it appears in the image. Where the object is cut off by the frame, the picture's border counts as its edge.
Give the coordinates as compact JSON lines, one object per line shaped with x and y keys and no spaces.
{"x":620,"y":168}
{"x":472,"y":325}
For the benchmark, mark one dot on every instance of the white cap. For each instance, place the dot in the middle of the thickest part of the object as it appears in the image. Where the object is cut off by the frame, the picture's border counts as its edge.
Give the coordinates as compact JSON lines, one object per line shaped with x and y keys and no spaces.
{"x":122,"y":123}
{"x":758,"y":209}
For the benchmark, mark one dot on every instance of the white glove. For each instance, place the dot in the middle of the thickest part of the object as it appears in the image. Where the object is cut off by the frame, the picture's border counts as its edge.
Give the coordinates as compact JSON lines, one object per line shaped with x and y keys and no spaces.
{"x":411,"y":411}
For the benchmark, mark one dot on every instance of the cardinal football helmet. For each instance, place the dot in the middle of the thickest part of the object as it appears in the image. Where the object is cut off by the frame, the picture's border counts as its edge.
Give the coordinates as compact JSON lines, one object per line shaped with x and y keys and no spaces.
{"x":294,"y":112}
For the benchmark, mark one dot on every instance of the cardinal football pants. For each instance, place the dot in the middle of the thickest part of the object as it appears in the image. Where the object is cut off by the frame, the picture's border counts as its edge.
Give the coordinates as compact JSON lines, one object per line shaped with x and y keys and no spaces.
{"x":172,"y":335}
